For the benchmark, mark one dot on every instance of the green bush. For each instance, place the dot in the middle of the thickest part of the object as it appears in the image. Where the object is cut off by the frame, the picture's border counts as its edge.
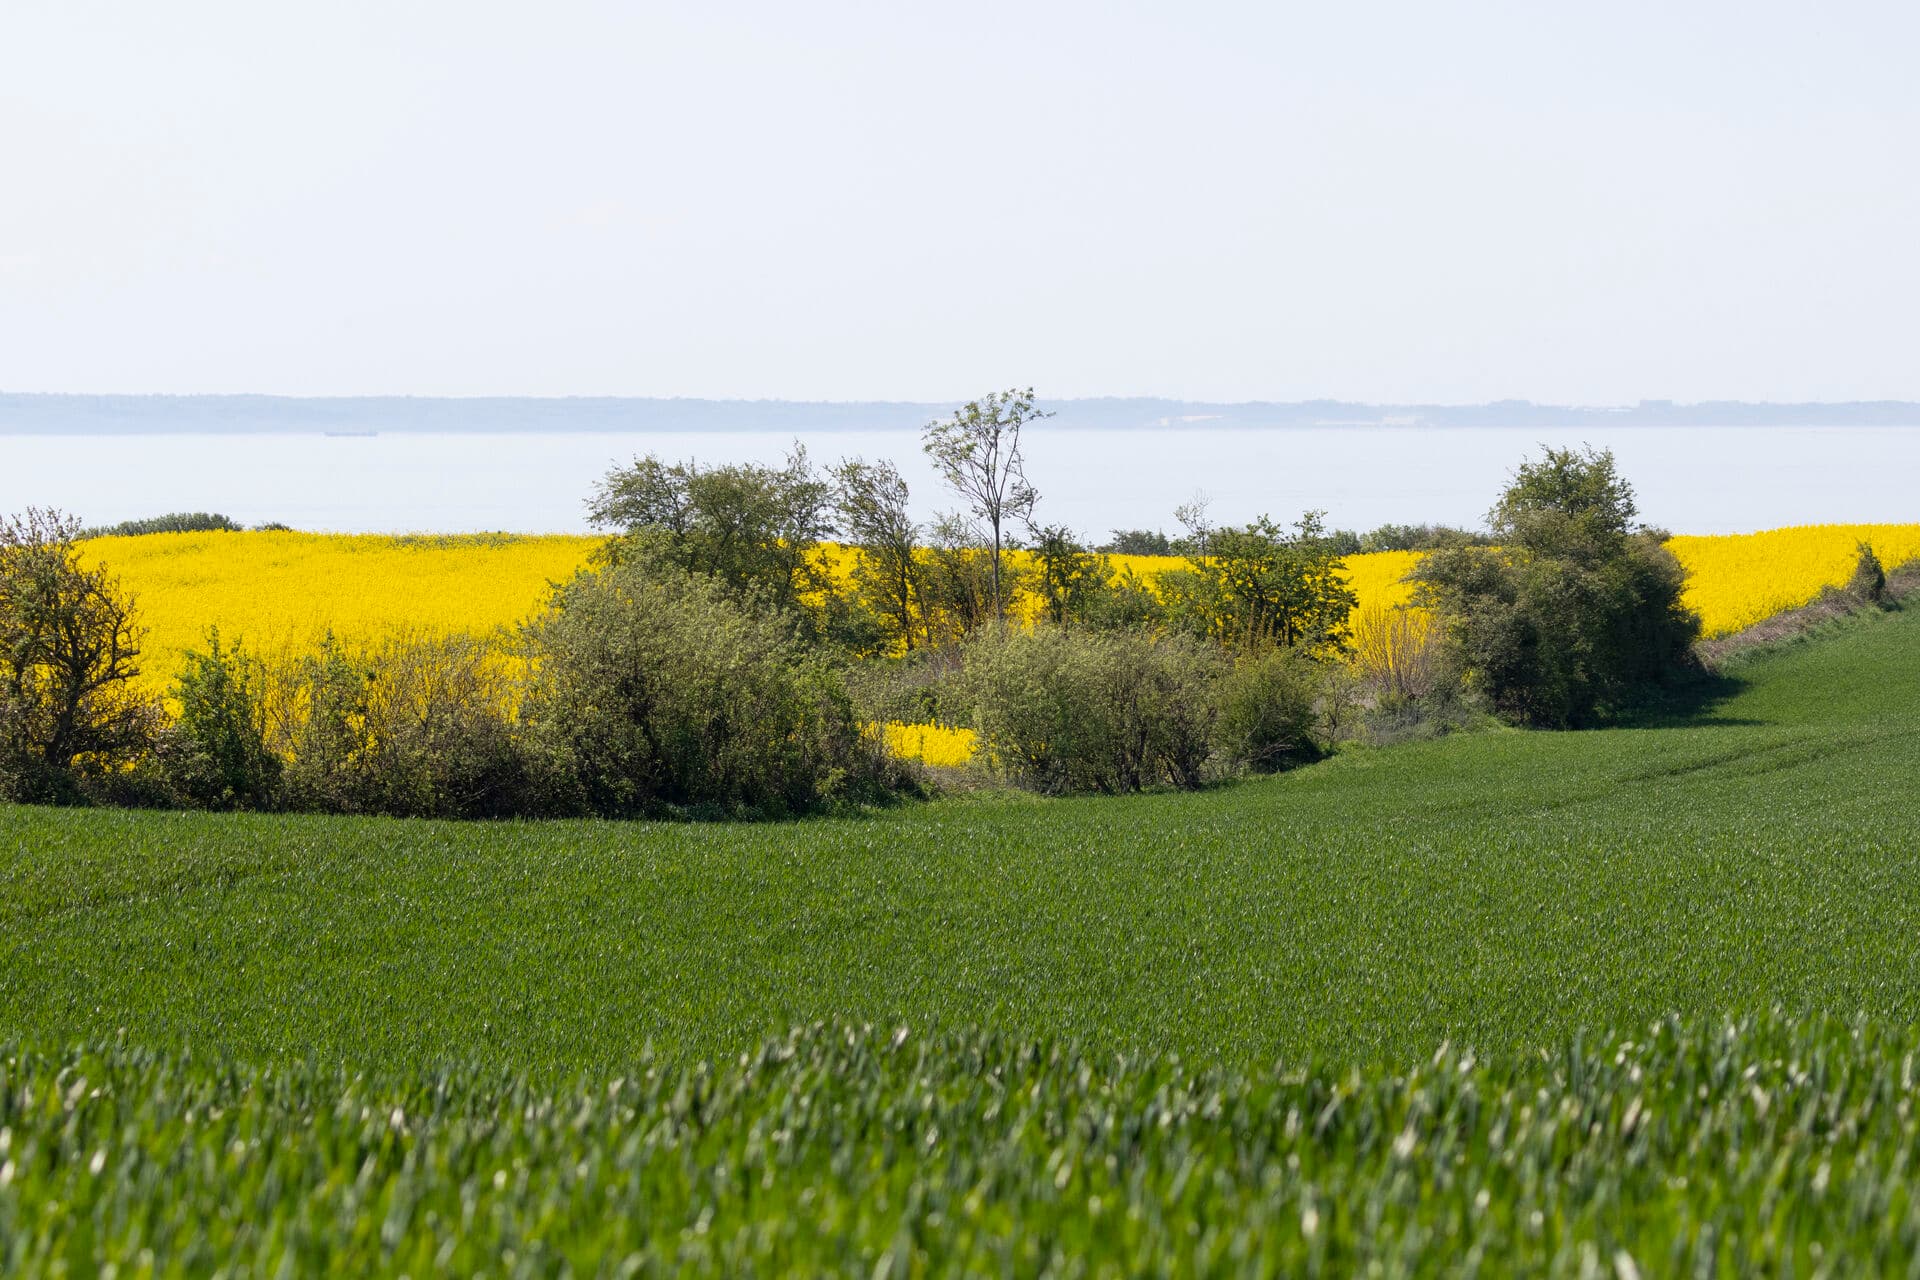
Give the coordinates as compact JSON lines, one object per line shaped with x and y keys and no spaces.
{"x":1062,"y":711}
{"x":1266,"y":711}
{"x":173,"y":522}
{"x":752,"y":528}
{"x":1419,"y":537}
{"x":215,"y":753}
{"x":71,"y":710}
{"x":1869,"y":580}
{"x":1256,"y":585}
{"x":653,"y":692}
{"x":1575,"y":611}
{"x":415,"y":726}
{"x":918,"y":687}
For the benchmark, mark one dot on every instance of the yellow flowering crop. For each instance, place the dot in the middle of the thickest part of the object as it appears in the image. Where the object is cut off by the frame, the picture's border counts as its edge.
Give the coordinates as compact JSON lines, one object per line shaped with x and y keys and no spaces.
{"x":1738,"y":580}
{"x":280,"y":592}
{"x":1376,"y":578}
{"x":931,"y":744}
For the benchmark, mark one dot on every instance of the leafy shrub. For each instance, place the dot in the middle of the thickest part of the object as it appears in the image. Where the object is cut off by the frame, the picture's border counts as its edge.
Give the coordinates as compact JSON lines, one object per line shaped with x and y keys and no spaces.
{"x":1869,"y":580}
{"x":1139,"y":542}
{"x":416,"y":726}
{"x":1124,"y":602}
{"x":752,"y":528}
{"x":1574,"y":611}
{"x":959,"y":580}
{"x":69,"y":653}
{"x":215,"y":753}
{"x":1267,"y":713}
{"x":653,"y":691}
{"x":173,"y":522}
{"x":1419,"y":537}
{"x":921,"y":686}
{"x":1342,"y":542}
{"x":1061,"y":711}
{"x":1259,"y":584}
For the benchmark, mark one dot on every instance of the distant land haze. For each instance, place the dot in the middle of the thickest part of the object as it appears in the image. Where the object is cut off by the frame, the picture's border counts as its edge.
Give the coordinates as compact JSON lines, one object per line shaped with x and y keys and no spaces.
{"x":42,"y":414}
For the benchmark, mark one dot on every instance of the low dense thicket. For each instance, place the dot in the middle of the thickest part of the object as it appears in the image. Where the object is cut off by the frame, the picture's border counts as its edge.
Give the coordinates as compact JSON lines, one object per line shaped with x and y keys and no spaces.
{"x":1062,"y":711}
{"x":718,"y":658}
{"x":640,"y":689}
{"x":1575,"y":611}
{"x":172,"y":522}
{"x":651,"y":688}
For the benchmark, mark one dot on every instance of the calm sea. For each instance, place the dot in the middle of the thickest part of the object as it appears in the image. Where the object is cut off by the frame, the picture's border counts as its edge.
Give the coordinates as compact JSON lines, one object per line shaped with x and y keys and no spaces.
{"x":1690,"y":479}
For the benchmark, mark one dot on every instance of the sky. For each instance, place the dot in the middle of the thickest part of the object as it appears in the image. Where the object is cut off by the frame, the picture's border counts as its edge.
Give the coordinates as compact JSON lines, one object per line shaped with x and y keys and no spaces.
{"x":1586,"y":204}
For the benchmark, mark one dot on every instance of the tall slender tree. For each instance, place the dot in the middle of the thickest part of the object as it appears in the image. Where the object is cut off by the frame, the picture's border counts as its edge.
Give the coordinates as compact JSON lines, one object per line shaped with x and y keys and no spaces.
{"x":977,"y":453}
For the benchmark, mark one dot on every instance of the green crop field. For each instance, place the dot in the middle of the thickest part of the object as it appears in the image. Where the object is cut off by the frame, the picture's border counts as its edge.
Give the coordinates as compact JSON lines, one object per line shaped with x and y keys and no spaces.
{"x":1689,"y":1150}
{"x":1495,"y":892}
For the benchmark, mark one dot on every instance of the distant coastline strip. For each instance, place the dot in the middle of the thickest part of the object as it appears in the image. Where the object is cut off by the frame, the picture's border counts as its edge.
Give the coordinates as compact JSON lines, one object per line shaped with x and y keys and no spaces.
{"x":46,"y":414}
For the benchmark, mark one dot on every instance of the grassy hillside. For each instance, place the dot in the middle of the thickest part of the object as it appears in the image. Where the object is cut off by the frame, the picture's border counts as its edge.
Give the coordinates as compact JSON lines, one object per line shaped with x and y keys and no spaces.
{"x":1497,"y":890}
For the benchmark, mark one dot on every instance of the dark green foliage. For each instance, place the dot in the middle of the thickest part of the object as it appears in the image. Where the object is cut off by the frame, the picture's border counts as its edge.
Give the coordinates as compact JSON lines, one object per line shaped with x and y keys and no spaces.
{"x":1869,"y":580}
{"x":1139,"y":542}
{"x":654,"y":692}
{"x":1572,"y":503}
{"x":1061,"y":711}
{"x":960,"y":580}
{"x":1763,"y":1146}
{"x":1342,"y":542}
{"x":1419,"y":537}
{"x":1068,"y":578}
{"x":1575,"y":612}
{"x":871,"y":501}
{"x":174,"y":522}
{"x":1123,"y":602}
{"x":1258,"y":585}
{"x":751,"y":528}
{"x":69,"y":653}
{"x":1266,"y":718}
{"x":215,"y":753}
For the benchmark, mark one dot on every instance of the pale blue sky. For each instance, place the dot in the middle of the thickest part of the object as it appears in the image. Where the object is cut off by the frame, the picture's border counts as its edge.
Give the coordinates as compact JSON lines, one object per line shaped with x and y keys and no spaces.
{"x":1588,"y":203}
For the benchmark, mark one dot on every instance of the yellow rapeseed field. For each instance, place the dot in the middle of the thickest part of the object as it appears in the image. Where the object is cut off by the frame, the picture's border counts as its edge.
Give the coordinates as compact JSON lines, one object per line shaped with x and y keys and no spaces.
{"x":275,"y":592}
{"x":1738,"y":580}
{"x":281,"y":592}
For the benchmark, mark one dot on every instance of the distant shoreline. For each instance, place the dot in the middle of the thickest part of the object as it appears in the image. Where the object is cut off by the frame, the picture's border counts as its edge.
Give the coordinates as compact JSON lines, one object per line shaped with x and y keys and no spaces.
{"x":43,"y":414}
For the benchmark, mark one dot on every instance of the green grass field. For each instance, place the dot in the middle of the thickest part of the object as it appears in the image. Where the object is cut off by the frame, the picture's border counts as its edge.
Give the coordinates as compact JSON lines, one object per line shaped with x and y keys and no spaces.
{"x":1498,"y":892}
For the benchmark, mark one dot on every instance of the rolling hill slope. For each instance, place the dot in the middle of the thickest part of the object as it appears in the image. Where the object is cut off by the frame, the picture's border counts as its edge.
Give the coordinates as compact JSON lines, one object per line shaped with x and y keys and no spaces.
{"x":1498,"y":890}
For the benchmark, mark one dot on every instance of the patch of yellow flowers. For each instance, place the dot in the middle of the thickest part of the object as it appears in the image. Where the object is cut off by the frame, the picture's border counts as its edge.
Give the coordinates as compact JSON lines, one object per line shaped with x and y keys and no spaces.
{"x":936,"y":745}
{"x":280,"y":592}
{"x":1734,"y":582}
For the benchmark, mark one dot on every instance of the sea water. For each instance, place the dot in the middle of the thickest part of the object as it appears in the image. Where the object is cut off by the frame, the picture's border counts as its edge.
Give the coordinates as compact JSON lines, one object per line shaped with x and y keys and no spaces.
{"x":1689,"y":479}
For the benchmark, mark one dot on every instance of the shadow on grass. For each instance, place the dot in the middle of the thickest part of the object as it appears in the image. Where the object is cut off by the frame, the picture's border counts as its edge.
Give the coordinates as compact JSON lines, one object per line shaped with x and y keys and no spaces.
{"x":1692,"y":702}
